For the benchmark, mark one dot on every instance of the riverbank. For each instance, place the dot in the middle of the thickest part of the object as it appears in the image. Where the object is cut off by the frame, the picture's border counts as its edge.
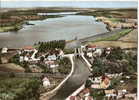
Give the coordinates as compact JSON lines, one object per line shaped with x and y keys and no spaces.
{"x":11,"y":28}
{"x":13,"y":20}
{"x":123,"y":38}
{"x":114,"y":18}
{"x":122,"y":23}
{"x":10,"y":17}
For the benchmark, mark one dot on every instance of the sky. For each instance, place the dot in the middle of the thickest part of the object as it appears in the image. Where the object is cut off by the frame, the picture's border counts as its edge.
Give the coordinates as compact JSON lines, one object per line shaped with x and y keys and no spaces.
{"x":81,"y":4}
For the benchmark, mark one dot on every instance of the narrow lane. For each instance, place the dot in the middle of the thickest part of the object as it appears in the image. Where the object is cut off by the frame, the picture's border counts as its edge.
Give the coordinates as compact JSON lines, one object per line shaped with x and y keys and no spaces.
{"x":79,"y":76}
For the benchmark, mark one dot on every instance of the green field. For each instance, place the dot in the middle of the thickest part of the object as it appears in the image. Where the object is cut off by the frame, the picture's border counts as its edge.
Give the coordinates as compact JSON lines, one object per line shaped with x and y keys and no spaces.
{"x":115,"y":36}
{"x":12,"y":88}
{"x":10,"y":28}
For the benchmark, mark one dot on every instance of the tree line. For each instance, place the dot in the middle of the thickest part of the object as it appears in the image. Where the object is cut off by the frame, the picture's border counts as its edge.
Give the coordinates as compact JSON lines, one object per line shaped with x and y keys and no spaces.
{"x":44,"y":46}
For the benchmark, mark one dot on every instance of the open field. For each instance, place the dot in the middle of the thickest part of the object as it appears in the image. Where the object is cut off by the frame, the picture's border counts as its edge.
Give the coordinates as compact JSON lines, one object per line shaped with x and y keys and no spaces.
{"x":10,"y":67}
{"x":127,"y":41}
{"x":116,"y":13}
{"x":19,"y":88}
{"x":132,"y":36}
{"x":115,"y":36}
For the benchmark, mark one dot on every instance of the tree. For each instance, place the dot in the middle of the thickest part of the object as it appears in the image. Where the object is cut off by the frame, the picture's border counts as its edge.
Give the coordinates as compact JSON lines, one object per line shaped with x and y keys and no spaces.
{"x":42,"y":59}
{"x":98,"y":67}
{"x":44,"y":46}
{"x":116,"y":54}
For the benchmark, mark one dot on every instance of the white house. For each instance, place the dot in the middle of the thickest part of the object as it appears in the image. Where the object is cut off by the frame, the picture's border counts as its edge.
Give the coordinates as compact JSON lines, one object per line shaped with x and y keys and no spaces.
{"x":90,"y":54}
{"x":21,"y":59}
{"x":98,"y":52}
{"x":108,"y":50}
{"x":61,"y":53}
{"x":4,"y":50}
{"x":46,"y":82}
{"x":54,"y":65}
{"x":26,"y":58}
{"x":52,"y":57}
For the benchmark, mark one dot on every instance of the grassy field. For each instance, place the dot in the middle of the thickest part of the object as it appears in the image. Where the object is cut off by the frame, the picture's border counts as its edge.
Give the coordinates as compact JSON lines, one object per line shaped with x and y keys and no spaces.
{"x":115,"y":36}
{"x":115,"y":19}
{"x":129,"y":40}
{"x":112,"y":13}
{"x":11,"y":28}
{"x":19,"y":88}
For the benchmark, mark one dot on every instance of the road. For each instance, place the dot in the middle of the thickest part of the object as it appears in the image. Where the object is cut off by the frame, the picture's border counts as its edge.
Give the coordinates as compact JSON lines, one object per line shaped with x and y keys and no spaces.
{"x":77,"y":43}
{"x":78,"y":77}
{"x":94,"y":37}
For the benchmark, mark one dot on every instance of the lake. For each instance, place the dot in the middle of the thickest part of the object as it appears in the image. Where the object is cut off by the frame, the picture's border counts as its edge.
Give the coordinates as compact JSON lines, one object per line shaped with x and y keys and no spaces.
{"x":67,"y":27}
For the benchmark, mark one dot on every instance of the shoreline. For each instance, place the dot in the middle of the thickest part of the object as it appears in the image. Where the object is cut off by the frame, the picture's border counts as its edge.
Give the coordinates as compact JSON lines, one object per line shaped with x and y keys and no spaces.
{"x":88,"y":39}
{"x":101,"y":35}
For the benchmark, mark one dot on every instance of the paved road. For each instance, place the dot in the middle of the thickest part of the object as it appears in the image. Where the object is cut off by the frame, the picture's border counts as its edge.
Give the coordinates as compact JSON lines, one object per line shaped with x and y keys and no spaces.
{"x":79,"y":76}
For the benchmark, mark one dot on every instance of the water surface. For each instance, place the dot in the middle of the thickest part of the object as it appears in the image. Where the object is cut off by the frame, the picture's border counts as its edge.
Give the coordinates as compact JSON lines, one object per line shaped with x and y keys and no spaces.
{"x":67,"y":28}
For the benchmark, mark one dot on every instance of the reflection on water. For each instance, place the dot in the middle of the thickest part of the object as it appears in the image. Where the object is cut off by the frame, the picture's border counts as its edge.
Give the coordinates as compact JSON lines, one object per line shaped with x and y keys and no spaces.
{"x":67,"y":28}
{"x":59,"y":13}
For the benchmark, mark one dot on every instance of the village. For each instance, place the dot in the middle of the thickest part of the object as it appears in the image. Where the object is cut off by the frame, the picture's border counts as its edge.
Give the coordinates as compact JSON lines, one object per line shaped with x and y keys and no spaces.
{"x":98,"y":81}
{"x":99,"y":84}
{"x":101,"y":66}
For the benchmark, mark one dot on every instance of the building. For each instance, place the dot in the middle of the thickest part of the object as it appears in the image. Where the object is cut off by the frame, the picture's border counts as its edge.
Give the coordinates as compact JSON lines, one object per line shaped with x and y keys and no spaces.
{"x":52,"y":57}
{"x":28,"y":48}
{"x":97,"y":52}
{"x":104,"y":84}
{"x":4,"y":50}
{"x":46,"y":82}
{"x":91,"y":47}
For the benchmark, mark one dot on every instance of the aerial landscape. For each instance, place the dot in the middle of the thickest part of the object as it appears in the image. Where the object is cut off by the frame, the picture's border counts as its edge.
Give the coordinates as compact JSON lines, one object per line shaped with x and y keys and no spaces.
{"x":57,"y":50}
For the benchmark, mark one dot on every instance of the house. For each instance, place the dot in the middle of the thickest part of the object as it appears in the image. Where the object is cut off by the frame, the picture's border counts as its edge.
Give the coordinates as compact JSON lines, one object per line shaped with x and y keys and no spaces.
{"x":49,"y":62}
{"x":89,"y":54}
{"x":91,"y":47}
{"x":97,"y":52}
{"x":54,"y":65}
{"x":54,"y":68}
{"x":52,"y":57}
{"x":108,"y":50}
{"x":61,"y":53}
{"x":28,"y":48}
{"x":46,"y":82}
{"x":21,"y":59}
{"x":83,"y":47}
{"x":26,"y":58}
{"x":122,"y":93}
{"x":111,"y":94}
{"x":4,"y":50}
{"x":105,"y":82}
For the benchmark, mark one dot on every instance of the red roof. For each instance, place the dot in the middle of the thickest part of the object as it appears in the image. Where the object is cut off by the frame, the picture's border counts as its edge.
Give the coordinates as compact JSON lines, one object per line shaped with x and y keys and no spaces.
{"x":28,"y":48}
{"x":72,"y":97}
{"x":91,"y":46}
